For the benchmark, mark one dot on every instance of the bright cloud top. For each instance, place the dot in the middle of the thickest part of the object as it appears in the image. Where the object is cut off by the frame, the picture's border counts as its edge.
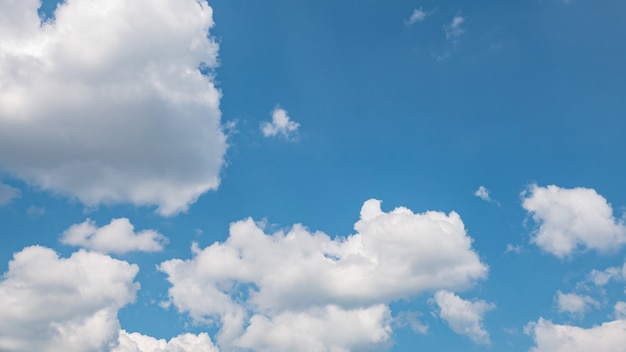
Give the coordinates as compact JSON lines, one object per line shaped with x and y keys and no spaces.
{"x":570,"y":219}
{"x":107,"y":104}
{"x":464,"y":317}
{"x":8,"y":194}
{"x":117,"y":237}
{"x":316,"y":281}
{"x":281,"y":125}
{"x":135,"y":342}
{"x":550,"y":337}
{"x":63,"y":304}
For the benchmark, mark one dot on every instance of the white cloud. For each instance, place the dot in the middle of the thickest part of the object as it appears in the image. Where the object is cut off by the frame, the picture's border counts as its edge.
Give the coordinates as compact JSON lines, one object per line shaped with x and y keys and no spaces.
{"x":601,"y":278}
{"x":464,"y":317}
{"x":572,"y":218}
{"x":418,"y":15}
{"x":106,"y":103}
{"x":135,"y":342}
{"x":301,"y":274}
{"x":483,"y":193}
{"x":8,"y":194}
{"x":281,"y":125}
{"x":63,"y":304}
{"x":117,"y":237}
{"x":550,"y":337}
{"x":328,"y":328}
{"x":575,"y":304}
{"x":453,"y":29}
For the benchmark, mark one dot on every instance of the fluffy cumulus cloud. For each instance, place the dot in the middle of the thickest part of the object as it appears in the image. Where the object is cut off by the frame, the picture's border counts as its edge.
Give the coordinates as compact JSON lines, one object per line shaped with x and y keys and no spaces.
{"x":135,"y":342}
{"x":550,"y":337}
{"x":283,"y":291}
{"x":464,"y":317}
{"x":571,"y":219}
{"x":63,"y":304}
{"x":107,"y":104}
{"x":575,"y":304}
{"x":281,"y":125}
{"x":117,"y":237}
{"x":8,"y":194}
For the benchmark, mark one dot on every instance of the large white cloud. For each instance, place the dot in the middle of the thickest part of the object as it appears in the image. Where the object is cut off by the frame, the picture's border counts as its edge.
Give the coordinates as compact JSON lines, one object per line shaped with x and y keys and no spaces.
{"x":106,"y":103}
{"x":570,"y":219}
{"x":117,"y":237}
{"x":135,"y":342}
{"x":393,"y":255}
{"x":550,"y":337}
{"x":49,"y":303}
{"x":464,"y":317}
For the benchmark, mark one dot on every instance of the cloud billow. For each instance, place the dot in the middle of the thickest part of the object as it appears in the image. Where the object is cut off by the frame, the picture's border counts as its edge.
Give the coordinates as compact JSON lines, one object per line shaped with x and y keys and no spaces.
{"x":299,"y":281}
{"x":105,"y":103}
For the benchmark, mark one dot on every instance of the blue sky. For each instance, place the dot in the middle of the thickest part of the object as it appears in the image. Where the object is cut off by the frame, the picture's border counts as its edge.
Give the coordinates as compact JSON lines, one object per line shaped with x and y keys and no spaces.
{"x":323,"y":176}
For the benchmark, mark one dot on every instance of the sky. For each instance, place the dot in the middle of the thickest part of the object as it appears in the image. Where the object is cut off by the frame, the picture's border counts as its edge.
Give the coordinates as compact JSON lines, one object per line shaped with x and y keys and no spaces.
{"x":183,"y":175}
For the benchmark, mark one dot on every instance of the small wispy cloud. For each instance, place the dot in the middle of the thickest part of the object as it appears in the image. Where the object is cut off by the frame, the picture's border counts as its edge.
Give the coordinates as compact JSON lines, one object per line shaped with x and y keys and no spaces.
{"x":513,"y":248}
{"x":483,"y":193}
{"x":8,"y":194}
{"x":453,"y":29}
{"x":418,"y":15}
{"x":34,"y":211}
{"x":281,"y":125}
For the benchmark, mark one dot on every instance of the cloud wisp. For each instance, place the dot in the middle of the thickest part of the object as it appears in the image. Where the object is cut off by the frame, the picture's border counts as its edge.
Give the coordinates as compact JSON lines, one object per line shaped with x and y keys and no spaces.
{"x":8,"y":194}
{"x":454,"y":29}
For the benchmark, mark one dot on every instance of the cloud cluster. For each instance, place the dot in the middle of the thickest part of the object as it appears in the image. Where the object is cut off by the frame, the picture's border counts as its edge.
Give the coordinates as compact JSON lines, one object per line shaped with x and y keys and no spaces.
{"x":572,"y":219}
{"x":464,"y":317}
{"x":550,"y":337}
{"x":63,"y":304}
{"x":281,"y":125}
{"x":106,"y":103}
{"x":117,"y":237}
{"x":298,"y":282}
